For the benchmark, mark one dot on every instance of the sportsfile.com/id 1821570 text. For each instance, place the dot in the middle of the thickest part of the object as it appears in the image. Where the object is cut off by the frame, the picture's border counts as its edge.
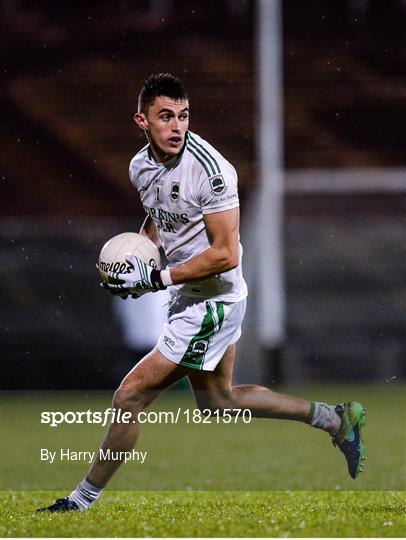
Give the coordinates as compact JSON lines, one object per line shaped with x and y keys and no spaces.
{"x":189,"y":416}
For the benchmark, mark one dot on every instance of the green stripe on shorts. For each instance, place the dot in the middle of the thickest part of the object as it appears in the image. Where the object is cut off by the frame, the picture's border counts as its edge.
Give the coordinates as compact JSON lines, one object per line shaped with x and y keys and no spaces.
{"x":198,"y":345}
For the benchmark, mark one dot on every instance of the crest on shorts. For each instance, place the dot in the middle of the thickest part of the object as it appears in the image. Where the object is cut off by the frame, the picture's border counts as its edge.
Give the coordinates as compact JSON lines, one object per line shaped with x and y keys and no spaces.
{"x":218,"y":185}
{"x":175,"y":191}
{"x":200,"y":346}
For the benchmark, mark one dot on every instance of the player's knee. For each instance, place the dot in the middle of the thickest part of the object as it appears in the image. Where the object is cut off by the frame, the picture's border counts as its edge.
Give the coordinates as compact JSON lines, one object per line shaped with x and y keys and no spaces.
{"x":217,"y":402}
{"x":122,"y":399}
{"x":129,"y":399}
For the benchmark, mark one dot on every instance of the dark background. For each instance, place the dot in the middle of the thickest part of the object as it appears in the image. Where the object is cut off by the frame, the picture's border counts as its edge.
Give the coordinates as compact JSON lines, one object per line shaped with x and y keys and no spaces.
{"x":70,"y":79}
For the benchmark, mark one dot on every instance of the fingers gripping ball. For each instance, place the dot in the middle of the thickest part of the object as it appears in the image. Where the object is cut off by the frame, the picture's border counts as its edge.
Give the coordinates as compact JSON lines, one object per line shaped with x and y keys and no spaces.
{"x":113,"y":254}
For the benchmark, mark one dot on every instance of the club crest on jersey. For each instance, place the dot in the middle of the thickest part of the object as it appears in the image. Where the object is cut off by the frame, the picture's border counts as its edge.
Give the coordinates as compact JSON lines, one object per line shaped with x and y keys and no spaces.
{"x":175,"y":191}
{"x":218,"y":186}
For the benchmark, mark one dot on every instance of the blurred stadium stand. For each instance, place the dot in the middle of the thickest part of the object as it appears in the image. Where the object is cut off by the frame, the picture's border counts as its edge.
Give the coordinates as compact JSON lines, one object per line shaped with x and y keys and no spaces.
{"x":69,"y":90}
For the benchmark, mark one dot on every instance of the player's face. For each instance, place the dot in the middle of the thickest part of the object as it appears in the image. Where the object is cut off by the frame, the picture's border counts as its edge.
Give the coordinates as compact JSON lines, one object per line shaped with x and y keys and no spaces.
{"x":165,"y":124}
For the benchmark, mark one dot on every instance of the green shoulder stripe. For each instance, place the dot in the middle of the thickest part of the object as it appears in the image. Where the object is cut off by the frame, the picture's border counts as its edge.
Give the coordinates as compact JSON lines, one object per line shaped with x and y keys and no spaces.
{"x":202,"y":157}
{"x":204,"y":152}
{"x":200,"y":161}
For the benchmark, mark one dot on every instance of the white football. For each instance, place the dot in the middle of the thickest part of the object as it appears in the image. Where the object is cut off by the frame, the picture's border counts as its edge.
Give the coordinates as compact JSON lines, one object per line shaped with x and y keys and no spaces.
{"x":113,"y":253}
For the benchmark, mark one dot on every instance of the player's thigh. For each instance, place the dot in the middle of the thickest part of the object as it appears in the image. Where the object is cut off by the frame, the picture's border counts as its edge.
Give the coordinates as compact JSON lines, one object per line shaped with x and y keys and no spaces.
{"x":212,"y":389}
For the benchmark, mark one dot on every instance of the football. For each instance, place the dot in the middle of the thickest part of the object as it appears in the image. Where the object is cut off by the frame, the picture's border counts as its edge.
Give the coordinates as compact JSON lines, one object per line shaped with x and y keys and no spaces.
{"x":113,"y":253}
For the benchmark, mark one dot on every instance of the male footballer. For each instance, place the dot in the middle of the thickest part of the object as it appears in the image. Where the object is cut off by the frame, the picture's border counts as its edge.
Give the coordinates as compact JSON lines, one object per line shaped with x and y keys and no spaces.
{"x":189,"y":192}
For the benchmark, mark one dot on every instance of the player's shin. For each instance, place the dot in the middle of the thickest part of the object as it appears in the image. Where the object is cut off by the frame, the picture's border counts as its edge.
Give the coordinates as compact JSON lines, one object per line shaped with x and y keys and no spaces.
{"x":120,"y":438}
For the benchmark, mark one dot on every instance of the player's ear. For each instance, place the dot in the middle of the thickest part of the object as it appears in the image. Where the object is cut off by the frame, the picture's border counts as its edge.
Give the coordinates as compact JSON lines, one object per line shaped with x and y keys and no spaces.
{"x":141,"y":120}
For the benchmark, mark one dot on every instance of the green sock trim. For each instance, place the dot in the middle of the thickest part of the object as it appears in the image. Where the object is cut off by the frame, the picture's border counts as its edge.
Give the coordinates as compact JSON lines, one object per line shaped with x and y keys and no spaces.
{"x":311,"y":413}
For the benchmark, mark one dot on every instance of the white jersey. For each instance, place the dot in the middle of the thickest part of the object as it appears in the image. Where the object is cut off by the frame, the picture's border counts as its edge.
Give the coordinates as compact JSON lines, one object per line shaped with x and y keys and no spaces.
{"x":176,"y":195}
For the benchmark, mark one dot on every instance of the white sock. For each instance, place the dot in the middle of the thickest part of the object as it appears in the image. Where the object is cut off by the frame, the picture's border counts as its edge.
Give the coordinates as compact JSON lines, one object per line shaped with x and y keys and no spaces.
{"x":324,"y":416}
{"x":85,"y":494}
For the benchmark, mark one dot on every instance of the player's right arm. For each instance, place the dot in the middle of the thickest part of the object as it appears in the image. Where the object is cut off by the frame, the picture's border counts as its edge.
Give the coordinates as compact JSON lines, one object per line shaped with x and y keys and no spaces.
{"x":222,"y":255}
{"x":148,"y":228}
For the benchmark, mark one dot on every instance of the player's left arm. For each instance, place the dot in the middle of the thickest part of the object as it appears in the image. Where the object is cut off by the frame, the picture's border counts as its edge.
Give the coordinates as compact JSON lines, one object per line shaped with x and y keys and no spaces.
{"x":222,"y":230}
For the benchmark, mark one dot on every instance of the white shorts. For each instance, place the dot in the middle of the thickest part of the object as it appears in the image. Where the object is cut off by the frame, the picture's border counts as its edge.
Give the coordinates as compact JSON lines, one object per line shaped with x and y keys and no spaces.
{"x":198,"y":332}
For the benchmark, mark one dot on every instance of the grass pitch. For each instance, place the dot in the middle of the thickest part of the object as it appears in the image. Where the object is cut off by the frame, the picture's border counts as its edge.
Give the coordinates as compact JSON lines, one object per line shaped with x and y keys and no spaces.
{"x":212,"y":514}
{"x":266,"y":478}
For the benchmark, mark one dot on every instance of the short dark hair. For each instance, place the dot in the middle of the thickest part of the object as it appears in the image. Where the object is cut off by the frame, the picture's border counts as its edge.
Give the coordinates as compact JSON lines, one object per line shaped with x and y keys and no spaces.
{"x":160,"y":84}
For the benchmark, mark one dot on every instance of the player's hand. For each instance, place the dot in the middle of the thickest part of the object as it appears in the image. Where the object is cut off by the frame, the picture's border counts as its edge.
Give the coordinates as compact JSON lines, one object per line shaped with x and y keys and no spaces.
{"x":121,"y":294}
{"x":142,"y":279}
{"x":116,"y":292}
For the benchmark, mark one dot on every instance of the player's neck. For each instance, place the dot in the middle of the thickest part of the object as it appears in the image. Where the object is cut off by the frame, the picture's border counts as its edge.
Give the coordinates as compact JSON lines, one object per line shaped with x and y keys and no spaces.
{"x":157,"y":154}
{"x":159,"y":157}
